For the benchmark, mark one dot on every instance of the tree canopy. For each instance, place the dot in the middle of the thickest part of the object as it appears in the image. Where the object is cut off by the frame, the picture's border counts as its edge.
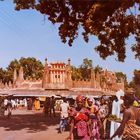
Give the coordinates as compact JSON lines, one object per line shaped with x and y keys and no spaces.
{"x":136,"y":77}
{"x":32,"y":68}
{"x":121,"y":75}
{"x":112,"y":21}
{"x":136,"y":82}
{"x":2,"y":75}
{"x":84,"y":70}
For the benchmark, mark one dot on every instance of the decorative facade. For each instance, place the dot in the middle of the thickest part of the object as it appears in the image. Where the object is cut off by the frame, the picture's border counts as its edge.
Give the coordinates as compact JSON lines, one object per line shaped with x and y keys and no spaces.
{"x":57,"y":76}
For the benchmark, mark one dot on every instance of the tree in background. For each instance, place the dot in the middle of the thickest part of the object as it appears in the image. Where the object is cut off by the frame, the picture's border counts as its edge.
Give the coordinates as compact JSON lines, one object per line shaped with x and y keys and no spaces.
{"x":120,"y":75}
{"x":76,"y":73}
{"x":98,"y":69}
{"x":83,"y":71}
{"x":136,"y":82}
{"x":112,"y":21}
{"x":32,"y":68}
{"x":85,"y":68}
{"x":2,"y":75}
{"x":6,"y":75}
{"x":14,"y":64}
{"x":136,"y":77}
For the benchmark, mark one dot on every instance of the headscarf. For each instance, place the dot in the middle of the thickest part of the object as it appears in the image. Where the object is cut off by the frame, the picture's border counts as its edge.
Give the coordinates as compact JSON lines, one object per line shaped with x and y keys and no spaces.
{"x":91,"y":99}
{"x":80,"y":98}
{"x":119,"y":94}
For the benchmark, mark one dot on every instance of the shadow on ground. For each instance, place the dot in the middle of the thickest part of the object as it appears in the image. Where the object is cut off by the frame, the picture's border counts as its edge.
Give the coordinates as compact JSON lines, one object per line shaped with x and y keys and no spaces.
{"x":30,"y":122}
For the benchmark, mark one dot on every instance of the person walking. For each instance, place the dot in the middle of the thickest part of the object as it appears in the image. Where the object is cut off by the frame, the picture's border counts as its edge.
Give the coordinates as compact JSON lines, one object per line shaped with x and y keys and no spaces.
{"x":52,"y":106}
{"x":95,"y":122}
{"x":9,"y":108}
{"x":47,"y":106}
{"x":37,"y":104}
{"x":63,"y":115}
{"x":79,"y":127}
{"x":103,"y":114}
{"x":2,"y":107}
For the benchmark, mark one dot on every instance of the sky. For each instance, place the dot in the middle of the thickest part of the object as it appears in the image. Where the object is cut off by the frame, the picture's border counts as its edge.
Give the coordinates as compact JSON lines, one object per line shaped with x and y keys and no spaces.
{"x":26,"y":34}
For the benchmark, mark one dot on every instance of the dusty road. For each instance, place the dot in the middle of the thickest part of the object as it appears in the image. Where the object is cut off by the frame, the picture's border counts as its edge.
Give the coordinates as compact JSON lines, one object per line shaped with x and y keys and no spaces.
{"x":30,"y":125}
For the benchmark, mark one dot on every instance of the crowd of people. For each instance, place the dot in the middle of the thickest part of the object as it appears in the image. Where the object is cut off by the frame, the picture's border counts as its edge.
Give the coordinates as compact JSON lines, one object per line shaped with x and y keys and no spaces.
{"x":9,"y":103}
{"x":86,"y":117}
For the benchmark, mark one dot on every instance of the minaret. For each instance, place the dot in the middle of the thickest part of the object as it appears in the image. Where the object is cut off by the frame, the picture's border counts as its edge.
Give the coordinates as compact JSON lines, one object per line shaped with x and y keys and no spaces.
{"x":14,"y":78}
{"x":10,"y":84}
{"x":69,"y":70}
{"x":92,"y":78}
{"x":46,"y":62}
{"x":46,"y":75}
{"x":1,"y":83}
{"x":69,"y":61}
{"x":15,"y":75}
{"x":98,"y":80}
{"x":21,"y":78}
{"x":68,"y":80}
{"x":122,"y":84}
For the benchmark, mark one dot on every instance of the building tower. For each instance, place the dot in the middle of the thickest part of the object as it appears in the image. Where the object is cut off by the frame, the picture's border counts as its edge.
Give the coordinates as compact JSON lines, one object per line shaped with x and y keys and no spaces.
{"x":93,"y":78}
{"x":14,"y":78}
{"x":21,"y":77}
{"x":98,"y":80}
{"x":68,"y":79}
{"x":46,"y":77}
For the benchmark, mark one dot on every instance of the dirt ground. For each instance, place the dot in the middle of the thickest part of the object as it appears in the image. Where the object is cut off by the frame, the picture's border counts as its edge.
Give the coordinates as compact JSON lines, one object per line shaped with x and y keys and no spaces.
{"x":30,"y":125}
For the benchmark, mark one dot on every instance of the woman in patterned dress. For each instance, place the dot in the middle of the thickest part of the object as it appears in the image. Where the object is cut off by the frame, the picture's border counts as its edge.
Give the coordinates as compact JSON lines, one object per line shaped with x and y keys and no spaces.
{"x":79,"y":126}
{"x":95,"y":122}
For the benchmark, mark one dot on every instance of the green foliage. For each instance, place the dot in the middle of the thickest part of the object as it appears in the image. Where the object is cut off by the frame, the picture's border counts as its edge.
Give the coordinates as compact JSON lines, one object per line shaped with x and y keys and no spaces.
{"x":85,"y":68}
{"x":98,"y":69}
{"x":131,"y":84}
{"x":137,"y":91}
{"x":120,"y":75}
{"x":137,"y":77}
{"x":76,"y":73}
{"x":14,"y":64}
{"x":112,"y":21}
{"x":2,"y":75}
{"x":135,"y":83}
{"x":87,"y":64}
{"x":83,"y":72}
{"x":6,"y":76}
{"x":32,"y":69}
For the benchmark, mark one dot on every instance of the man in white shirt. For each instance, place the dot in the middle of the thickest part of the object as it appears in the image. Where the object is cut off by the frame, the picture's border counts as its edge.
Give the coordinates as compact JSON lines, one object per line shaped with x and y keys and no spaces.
{"x":116,"y":110}
{"x":64,"y":114}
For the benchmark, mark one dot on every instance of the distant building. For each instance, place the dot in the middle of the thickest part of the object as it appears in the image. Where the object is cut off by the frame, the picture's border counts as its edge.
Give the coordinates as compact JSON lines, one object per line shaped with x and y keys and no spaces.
{"x":57,"y":76}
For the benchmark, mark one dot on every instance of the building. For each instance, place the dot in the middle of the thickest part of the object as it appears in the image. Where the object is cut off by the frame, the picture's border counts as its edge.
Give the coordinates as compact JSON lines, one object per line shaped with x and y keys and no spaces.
{"x":57,"y":77}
